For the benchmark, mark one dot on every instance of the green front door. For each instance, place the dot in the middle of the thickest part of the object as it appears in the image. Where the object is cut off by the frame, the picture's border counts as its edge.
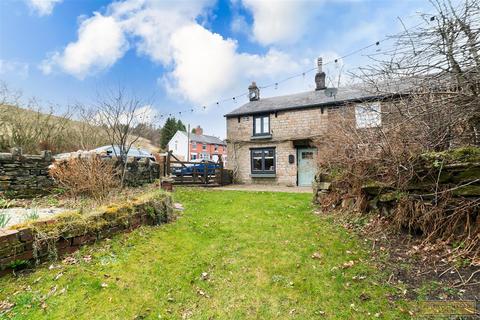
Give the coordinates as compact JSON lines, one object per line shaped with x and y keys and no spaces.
{"x":306,"y":166}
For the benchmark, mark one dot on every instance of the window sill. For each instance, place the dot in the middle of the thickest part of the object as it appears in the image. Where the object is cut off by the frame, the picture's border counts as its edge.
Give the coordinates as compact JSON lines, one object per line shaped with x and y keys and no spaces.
{"x":263,"y":136}
{"x":263,"y":175}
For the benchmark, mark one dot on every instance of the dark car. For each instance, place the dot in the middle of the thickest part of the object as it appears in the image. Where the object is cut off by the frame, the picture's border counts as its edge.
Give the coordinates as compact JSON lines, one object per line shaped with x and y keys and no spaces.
{"x":197,"y":168}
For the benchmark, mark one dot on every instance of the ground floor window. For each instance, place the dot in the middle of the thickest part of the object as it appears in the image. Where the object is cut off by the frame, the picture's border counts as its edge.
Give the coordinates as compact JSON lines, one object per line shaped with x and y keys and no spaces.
{"x":193,"y":156}
{"x":263,"y":160}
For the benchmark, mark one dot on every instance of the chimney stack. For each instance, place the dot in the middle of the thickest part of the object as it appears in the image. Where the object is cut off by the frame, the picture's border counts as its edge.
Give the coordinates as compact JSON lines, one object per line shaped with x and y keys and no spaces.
{"x":253,"y":92}
{"x":320,"y":76}
{"x":198,"y":131}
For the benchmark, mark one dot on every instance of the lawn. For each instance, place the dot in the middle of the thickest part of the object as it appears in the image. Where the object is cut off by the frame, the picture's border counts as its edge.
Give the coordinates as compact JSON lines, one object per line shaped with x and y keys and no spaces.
{"x":230,"y":255}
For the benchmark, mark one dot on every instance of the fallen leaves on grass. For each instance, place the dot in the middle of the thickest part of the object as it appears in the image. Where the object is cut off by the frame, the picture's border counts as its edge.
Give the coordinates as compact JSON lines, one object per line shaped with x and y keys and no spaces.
{"x":204,"y":276}
{"x":348,"y":264}
{"x":58,"y":276}
{"x":6,"y":306}
{"x":69,"y":260}
{"x":202,"y":293}
{"x":317,"y":255}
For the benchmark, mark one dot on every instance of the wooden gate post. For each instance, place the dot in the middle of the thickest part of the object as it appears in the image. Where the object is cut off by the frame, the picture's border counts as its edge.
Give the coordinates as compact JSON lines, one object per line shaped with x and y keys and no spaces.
{"x":167,"y":164}
{"x":220,"y":163}
{"x":206,"y":171}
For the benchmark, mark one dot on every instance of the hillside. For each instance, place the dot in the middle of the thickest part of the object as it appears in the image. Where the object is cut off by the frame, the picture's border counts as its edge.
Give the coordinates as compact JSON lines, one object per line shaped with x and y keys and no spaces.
{"x":37,"y":130}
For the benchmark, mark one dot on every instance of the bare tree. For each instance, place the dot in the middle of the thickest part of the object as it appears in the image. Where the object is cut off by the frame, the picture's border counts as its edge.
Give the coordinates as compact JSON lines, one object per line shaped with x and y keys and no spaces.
{"x":428,"y":85}
{"x":437,"y":63}
{"x":119,"y":114}
{"x":29,"y":126}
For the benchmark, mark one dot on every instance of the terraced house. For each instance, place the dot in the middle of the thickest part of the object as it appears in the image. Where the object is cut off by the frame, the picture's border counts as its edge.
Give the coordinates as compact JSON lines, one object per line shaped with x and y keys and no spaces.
{"x":272,"y":140}
{"x":196,"y":145}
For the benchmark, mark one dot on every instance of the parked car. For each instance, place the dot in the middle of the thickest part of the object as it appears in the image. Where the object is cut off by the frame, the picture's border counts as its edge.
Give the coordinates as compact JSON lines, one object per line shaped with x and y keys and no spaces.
{"x":134,"y":152}
{"x":198,"y":168}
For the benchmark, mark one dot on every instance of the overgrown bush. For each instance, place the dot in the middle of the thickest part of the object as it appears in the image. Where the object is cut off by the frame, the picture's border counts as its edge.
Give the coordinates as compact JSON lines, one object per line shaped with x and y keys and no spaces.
{"x":92,"y":177}
{"x":430,"y":98}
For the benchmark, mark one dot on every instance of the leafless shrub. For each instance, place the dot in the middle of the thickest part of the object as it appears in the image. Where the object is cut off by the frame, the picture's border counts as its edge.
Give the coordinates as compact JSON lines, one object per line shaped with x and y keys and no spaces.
{"x":119,"y":114}
{"x":92,"y":177}
{"x":27,"y":125}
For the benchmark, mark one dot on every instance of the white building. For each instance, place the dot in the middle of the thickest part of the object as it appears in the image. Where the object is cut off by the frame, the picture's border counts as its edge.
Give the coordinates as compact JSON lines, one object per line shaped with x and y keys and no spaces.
{"x":201,"y":146}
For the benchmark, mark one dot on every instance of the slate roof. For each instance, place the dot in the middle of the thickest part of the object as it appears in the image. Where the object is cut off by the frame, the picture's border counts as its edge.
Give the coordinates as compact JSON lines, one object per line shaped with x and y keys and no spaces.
{"x":202,"y":138}
{"x":302,"y":100}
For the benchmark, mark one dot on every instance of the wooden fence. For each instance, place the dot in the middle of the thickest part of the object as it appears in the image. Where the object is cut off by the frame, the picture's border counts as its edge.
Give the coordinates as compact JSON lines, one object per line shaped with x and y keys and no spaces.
{"x":206,"y":173}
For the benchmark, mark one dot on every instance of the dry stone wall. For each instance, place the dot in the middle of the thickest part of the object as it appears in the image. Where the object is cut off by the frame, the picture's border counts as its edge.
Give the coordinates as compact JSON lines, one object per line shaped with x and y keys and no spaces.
{"x":25,"y":175}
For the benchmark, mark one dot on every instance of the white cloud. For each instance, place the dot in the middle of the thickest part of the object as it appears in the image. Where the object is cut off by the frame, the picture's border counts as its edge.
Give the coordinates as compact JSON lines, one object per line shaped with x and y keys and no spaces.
{"x":101,"y":42}
{"x":208,"y":66}
{"x":239,"y":24}
{"x":145,"y":114}
{"x":15,"y":68}
{"x":202,"y":65}
{"x":43,"y":7}
{"x":153,"y":23}
{"x":281,"y":21}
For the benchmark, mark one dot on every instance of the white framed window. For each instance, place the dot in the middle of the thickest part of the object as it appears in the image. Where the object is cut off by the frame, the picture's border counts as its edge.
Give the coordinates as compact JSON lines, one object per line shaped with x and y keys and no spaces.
{"x":194,"y":145}
{"x":204,"y":146}
{"x":368,"y":115}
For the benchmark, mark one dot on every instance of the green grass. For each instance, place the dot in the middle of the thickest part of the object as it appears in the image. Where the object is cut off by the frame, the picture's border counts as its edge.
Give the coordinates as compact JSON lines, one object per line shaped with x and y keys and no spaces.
{"x":256,"y":248}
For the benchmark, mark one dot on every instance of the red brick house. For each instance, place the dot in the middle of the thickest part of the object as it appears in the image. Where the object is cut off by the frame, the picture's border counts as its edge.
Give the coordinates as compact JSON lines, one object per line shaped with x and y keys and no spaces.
{"x":193,"y":146}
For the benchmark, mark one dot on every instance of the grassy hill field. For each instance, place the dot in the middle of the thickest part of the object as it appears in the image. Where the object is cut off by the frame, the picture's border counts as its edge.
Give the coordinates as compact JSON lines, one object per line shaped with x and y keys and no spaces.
{"x":36,"y":130}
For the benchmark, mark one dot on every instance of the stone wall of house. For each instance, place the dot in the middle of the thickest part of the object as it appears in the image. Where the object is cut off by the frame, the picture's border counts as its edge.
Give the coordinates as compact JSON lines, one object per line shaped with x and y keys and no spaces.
{"x":285,"y":127}
{"x":25,"y":175}
{"x":45,"y":239}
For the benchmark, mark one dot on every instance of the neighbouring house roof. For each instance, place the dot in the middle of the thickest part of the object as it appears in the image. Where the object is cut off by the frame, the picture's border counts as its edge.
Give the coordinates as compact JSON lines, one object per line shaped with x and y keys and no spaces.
{"x":302,"y":100}
{"x":203,"y":138}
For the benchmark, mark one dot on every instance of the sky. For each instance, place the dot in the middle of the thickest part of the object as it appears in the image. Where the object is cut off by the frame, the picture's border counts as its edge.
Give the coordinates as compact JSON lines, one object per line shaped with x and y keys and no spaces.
{"x":187,"y":54}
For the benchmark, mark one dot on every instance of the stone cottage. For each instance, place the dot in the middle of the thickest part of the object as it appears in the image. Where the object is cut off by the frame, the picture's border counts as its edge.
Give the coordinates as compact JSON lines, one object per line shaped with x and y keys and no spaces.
{"x":270,"y":141}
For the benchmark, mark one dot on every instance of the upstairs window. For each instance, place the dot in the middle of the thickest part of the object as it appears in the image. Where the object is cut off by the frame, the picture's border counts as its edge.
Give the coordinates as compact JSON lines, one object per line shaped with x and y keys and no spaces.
{"x":204,"y":146}
{"x":368,"y":115}
{"x":261,"y":125}
{"x":194,"y":145}
{"x":216,"y":147}
{"x":263,"y":160}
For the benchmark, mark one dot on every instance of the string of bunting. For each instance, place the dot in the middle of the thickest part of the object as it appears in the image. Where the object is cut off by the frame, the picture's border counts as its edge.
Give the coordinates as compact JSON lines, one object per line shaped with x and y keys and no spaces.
{"x":301,"y":74}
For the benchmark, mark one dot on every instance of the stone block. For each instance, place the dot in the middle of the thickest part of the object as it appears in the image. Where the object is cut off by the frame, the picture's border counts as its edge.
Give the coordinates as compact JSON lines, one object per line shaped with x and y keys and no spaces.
{"x":8,"y":236}
{"x":85,"y":239}
{"x":25,"y":234}
{"x":11,"y":249}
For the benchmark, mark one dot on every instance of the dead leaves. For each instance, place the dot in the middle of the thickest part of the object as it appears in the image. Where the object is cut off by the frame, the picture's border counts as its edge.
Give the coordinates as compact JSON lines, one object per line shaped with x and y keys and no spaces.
{"x":6,"y":306}
{"x":317,"y":256}
{"x":204,"y":276}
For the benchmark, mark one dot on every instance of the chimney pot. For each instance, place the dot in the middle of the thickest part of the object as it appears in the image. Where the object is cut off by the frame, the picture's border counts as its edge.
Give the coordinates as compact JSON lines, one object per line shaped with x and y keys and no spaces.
{"x":320,"y":76}
{"x":253,"y":92}
{"x":198,"y":131}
